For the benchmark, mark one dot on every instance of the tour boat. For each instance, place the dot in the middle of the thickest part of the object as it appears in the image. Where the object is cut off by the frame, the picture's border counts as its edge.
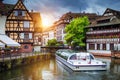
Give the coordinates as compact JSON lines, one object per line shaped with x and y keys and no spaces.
{"x":79,"y":61}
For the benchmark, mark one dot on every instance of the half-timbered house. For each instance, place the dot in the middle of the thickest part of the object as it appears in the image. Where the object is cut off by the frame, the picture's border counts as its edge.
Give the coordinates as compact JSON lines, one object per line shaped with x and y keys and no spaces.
{"x":66,"y":19}
{"x":103,"y":35}
{"x":20,"y":26}
{"x":48,"y":34}
{"x":37,"y":30}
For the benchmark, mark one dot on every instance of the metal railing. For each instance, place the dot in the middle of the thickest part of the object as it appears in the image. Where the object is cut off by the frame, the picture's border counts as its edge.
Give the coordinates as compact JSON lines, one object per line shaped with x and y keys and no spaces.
{"x":104,"y":31}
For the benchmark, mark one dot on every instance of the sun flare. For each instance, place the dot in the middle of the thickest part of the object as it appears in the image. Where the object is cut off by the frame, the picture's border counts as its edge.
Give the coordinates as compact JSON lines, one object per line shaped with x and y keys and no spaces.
{"x":46,"y":21}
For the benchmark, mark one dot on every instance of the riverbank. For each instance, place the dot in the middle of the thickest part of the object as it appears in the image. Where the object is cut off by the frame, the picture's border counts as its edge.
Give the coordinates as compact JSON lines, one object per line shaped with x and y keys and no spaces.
{"x":12,"y":62}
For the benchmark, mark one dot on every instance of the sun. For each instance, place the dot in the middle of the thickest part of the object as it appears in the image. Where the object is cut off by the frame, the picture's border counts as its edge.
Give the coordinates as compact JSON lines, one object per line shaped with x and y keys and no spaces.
{"x":46,"y":21}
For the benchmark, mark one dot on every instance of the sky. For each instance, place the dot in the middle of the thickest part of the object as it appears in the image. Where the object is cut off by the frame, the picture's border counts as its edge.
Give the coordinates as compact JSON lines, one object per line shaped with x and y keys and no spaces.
{"x":52,"y":10}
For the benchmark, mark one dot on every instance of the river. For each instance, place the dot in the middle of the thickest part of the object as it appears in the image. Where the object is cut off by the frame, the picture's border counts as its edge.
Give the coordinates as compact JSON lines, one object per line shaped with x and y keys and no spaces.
{"x":52,"y":70}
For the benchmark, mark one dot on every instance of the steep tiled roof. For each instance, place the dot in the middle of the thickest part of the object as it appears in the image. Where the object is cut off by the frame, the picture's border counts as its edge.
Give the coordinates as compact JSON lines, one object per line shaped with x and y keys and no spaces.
{"x":106,"y":20}
{"x":66,"y":18}
{"x":71,"y":15}
{"x":37,"y":20}
{"x":5,"y":8}
{"x":115,"y":12}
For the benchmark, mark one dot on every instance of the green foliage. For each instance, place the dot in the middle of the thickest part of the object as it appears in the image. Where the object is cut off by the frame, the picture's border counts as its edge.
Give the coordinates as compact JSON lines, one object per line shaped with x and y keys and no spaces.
{"x":52,"y":42}
{"x":75,"y":31}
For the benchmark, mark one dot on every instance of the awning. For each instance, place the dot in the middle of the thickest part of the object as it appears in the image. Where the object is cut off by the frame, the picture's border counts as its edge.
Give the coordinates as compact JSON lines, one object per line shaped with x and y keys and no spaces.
{"x":2,"y":45}
{"x":8,"y":41}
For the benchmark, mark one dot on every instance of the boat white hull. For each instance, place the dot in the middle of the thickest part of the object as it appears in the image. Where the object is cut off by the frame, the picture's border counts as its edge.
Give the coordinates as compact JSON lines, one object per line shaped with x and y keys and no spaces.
{"x":82,"y":67}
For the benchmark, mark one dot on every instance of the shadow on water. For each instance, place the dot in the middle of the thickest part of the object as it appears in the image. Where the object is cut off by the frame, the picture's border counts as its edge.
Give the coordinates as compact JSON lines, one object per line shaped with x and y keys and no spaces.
{"x":52,"y":70}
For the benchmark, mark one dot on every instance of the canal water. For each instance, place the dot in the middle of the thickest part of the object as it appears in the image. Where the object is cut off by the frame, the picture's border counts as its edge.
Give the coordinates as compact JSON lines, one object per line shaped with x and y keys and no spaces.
{"x":52,"y":70}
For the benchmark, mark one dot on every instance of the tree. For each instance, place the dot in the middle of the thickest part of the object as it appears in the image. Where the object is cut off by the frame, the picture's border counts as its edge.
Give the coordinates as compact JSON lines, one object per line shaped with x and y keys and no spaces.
{"x":75,"y":31}
{"x":52,"y":42}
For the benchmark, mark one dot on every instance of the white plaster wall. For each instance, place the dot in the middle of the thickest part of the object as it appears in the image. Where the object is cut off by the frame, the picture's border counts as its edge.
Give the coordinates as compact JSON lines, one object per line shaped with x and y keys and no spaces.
{"x":107,"y":46}
{"x":101,"y":46}
{"x":51,"y":34}
{"x":2,"y":24}
{"x":95,"y":46}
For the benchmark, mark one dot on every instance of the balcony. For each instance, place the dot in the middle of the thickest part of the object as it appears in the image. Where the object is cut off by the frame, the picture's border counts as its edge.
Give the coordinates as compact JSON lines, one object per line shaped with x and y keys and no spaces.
{"x":113,"y":40}
{"x":104,"y":31}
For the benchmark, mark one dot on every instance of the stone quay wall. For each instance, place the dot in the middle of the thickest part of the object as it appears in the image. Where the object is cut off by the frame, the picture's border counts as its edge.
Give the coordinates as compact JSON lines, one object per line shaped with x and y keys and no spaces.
{"x":12,"y":63}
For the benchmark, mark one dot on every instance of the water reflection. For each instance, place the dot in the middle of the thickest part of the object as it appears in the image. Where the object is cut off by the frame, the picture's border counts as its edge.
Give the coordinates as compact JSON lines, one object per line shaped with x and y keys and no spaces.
{"x":52,"y":70}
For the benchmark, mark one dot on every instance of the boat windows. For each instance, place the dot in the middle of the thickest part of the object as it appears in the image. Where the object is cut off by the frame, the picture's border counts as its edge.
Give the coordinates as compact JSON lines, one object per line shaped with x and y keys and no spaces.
{"x":73,"y":57}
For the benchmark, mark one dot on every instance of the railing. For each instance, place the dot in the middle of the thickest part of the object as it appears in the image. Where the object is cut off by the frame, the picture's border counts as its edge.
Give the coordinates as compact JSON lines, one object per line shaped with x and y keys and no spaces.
{"x":103,"y":31}
{"x":103,"y":40}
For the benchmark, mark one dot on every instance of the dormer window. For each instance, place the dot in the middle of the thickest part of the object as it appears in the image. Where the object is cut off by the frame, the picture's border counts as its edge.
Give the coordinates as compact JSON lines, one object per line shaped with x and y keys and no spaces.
{"x":103,"y":21}
{"x":19,"y":13}
{"x":108,"y":14}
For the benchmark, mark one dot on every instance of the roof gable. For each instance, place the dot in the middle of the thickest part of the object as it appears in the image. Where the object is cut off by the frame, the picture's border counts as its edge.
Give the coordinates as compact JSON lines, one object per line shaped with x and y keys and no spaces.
{"x":111,"y":12}
{"x":20,"y":6}
{"x":20,"y":12}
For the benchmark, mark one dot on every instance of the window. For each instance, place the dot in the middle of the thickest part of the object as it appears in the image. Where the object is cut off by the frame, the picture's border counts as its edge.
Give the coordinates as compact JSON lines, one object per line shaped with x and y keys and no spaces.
{"x":22,"y":35}
{"x":39,"y":39}
{"x":26,"y":47}
{"x":26,"y":36}
{"x":30,"y":35}
{"x":16,"y":13}
{"x":73,"y":57}
{"x":19,"y":13}
{"x":104,"y":46}
{"x":111,"y":46}
{"x":98,"y":46}
{"x":26,"y":24}
{"x":91,"y":46}
{"x":108,"y":14}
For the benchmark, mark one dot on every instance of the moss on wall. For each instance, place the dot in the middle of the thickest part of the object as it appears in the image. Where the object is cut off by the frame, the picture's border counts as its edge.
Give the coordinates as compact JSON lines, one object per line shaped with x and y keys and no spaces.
{"x":9,"y":64}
